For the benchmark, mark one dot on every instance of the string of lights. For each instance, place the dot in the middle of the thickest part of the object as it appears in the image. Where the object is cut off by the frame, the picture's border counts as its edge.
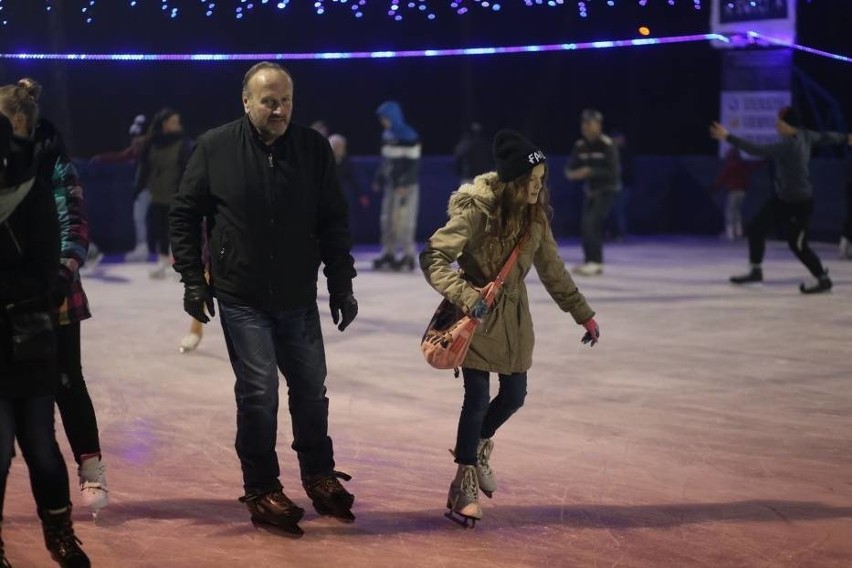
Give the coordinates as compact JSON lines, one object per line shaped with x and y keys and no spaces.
{"x":396,"y":10}
{"x":751,"y":37}
{"x":224,"y":57}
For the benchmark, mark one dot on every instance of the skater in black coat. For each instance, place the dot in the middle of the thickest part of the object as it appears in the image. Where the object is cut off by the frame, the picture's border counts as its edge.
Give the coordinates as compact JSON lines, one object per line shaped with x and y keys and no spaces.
{"x":29,"y":255}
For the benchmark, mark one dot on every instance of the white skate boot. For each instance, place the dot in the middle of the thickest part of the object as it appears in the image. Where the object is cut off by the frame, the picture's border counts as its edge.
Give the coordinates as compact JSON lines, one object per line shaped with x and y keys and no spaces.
{"x":189,"y":342}
{"x":164,"y":265}
{"x":463,"y":499}
{"x":93,"y":485}
{"x":484,"y":473}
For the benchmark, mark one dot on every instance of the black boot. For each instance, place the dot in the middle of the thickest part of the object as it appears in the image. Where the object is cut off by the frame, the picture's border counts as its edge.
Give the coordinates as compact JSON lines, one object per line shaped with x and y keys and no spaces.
{"x":384,"y":262}
{"x":405,"y":263}
{"x":329,"y":496}
{"x":754,"y":276}
{"x":60,"y":540}
{"x":823,"y":284}
{"x":276,"y":509}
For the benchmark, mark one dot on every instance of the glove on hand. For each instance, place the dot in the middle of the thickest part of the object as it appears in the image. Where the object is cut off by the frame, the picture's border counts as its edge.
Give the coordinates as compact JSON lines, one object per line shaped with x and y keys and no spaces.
{"x":479,"y":310}
{"x":344,"y":308}
{"x":196,"y":297}
{"x":593,"y":332}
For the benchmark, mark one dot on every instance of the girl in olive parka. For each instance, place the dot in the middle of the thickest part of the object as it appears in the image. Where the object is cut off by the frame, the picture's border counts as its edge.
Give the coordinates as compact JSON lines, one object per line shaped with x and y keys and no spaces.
{"x":487,"y":220}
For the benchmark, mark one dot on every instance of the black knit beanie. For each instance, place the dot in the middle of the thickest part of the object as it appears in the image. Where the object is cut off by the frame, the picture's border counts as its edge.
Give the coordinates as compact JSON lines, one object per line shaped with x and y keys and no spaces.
{"x":515,"y":155}
{"x":791,"y":116}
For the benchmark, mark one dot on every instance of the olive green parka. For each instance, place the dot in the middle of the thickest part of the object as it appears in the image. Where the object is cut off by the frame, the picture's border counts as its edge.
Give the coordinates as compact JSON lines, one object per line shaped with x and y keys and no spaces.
{"x":504,"y":341}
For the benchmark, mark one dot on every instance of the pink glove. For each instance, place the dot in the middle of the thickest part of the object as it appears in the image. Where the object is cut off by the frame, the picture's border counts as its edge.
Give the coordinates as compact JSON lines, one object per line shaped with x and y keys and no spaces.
{"x":593,"y":332}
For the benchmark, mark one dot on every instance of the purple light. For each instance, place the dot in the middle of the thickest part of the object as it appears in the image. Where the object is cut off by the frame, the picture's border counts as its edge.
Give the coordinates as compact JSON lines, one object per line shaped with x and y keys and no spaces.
{"x":214,"y":57}
{"x":806,"y":49}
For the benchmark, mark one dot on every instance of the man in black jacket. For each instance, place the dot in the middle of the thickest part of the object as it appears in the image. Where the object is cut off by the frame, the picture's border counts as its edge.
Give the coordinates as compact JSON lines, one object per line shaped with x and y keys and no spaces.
{"x":274,"y":211}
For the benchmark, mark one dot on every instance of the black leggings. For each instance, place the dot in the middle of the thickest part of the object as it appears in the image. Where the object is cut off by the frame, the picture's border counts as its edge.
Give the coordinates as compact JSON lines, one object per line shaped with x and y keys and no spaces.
{"x":847,"y":227}
{"x":793,"y":219}
{"x":72,"y":396}
{"x":158,"y":229}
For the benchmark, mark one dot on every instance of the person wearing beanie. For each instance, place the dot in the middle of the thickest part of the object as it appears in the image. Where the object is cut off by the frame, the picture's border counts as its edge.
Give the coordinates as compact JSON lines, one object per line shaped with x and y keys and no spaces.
{"x":488,"y":218}
{"x":792,"y":203}
{"x":397,"y":180}
{"x":595,"y":162}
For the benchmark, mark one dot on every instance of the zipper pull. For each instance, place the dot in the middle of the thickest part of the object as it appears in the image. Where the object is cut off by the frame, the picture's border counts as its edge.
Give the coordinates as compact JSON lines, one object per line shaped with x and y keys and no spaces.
{"x":270,"y":161}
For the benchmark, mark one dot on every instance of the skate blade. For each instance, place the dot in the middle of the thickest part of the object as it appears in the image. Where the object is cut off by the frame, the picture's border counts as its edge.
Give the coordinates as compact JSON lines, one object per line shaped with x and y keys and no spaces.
{"x":290,"y":530}
{"x":344,"y":516}
{"x":461,"y":520}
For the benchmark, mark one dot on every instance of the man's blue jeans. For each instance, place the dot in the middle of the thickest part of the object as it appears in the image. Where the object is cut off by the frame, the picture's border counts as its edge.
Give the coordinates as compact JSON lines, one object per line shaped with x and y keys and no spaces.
{"x":31,"y":421}
{"x":261,"y":343}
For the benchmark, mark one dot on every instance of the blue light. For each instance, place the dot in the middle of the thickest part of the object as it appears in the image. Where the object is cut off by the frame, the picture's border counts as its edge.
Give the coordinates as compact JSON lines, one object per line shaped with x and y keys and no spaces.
{"x":774,"y":41}
{"x":178,"y":57}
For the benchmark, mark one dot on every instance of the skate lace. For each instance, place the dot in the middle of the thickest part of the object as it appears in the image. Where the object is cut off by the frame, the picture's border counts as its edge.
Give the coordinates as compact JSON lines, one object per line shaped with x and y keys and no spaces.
{"x":469,"y":486}
{"x":93,"y":486}
{"x":64,"y":536}
{"x":483,"y":457}
{"x":330,"y":483}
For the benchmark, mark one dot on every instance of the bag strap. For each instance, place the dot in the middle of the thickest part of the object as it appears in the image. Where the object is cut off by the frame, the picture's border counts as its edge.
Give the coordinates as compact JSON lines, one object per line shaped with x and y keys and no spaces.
{"x":500,"y":279}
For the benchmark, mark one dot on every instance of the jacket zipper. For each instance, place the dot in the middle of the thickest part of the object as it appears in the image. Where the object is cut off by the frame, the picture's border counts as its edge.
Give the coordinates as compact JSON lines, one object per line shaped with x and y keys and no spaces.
{"x":14,"y":240}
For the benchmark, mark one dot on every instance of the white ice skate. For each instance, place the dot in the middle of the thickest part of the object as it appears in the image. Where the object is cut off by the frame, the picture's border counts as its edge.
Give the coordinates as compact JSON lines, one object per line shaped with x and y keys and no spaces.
{"x":93,"y":485}
{"x":189,"y":342}
{"x":589,"y":269}
{"x":463,"y":499}
{"x":484,"y":473}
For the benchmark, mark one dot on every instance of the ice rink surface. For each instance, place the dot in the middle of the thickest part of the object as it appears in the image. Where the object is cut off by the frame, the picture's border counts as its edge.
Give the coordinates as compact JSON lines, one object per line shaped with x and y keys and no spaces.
{"x":712,"y":426}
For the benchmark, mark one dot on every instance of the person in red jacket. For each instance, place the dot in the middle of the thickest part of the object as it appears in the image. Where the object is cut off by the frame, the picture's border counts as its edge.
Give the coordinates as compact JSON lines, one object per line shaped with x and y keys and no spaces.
{"x":734,"y":178}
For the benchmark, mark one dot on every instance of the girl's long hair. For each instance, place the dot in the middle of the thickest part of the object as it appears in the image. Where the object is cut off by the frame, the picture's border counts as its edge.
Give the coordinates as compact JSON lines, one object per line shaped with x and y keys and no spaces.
{"x":156,"y":128}
{"x":514,"y":216}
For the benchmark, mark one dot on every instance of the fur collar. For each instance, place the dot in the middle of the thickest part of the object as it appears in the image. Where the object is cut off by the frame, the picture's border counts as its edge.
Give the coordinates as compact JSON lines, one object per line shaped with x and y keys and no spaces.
{"x":481,"y":194}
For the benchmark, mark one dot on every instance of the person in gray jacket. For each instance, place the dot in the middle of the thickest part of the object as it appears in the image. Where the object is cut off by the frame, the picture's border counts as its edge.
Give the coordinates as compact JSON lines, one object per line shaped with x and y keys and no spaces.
{"x":595,"y":162}
{"x":792,"y":203}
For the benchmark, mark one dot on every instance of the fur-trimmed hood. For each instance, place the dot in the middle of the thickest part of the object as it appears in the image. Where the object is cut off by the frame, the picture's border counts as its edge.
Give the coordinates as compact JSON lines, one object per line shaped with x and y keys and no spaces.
{"x":480,"y":194}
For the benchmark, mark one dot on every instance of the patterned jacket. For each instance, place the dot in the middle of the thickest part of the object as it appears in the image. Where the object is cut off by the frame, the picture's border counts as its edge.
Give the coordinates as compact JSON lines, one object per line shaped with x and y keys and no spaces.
{"x":74,"y":232}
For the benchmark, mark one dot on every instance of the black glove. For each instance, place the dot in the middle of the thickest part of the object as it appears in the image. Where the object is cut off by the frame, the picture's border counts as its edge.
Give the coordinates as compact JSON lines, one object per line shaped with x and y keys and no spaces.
{"x":344,"y":308}
{"x":62,"y":290}
{"x":195,"y":298}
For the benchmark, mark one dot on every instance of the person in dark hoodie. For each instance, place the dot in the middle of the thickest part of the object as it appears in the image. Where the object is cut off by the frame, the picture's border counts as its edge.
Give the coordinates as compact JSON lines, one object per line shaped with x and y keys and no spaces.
{"x":472,"y":154}
{"x":274,"y":208}
{"x":29,"y":377}
{"x":161,"y":165}
{"x":397,"y":179}
{"x":792,"y":203}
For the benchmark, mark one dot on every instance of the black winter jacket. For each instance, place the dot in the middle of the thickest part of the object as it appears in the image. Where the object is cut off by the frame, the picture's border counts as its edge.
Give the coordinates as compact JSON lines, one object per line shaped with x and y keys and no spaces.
{"x":29,"y":255}
{"x":273,"y":214}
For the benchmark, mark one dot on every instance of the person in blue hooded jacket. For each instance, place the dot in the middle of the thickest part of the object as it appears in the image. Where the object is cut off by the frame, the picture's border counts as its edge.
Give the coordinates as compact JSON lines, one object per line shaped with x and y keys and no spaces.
{"x":397,"y":179}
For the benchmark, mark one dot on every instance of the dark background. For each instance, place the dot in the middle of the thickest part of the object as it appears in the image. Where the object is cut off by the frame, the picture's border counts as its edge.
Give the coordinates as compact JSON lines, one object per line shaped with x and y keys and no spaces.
{"x":663,"y":97}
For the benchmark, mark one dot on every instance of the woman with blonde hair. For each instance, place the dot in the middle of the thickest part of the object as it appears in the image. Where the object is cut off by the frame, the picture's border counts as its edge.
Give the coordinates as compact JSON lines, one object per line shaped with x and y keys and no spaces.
{"x":29,"y":369}
{"x":488,"y":219}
